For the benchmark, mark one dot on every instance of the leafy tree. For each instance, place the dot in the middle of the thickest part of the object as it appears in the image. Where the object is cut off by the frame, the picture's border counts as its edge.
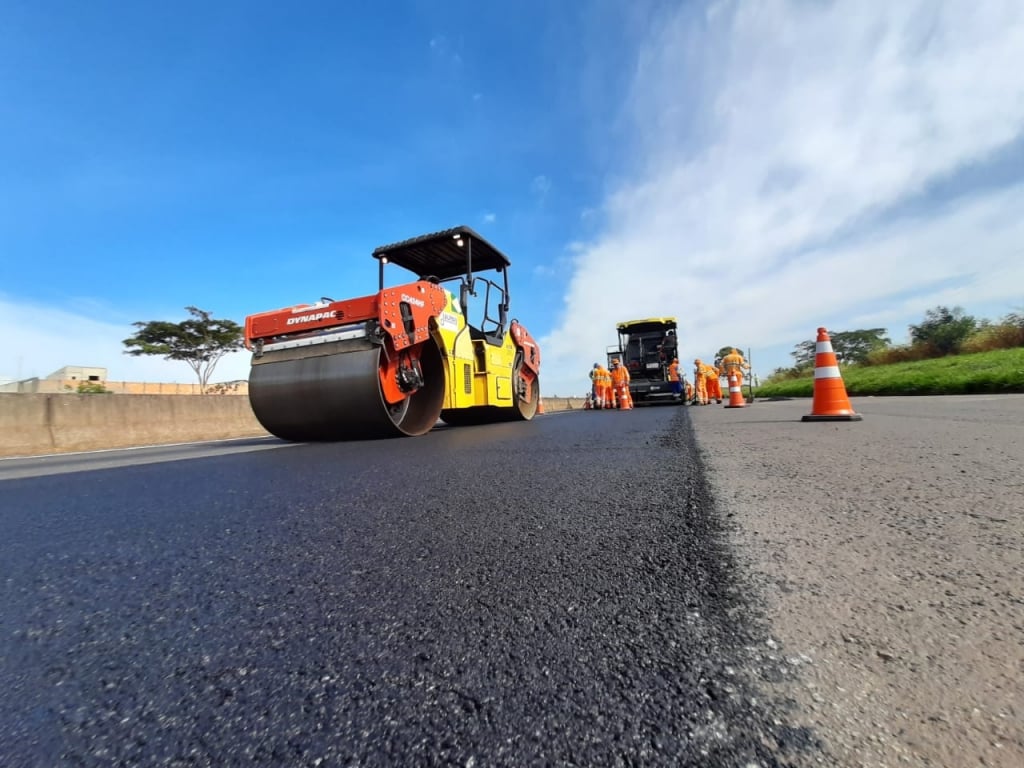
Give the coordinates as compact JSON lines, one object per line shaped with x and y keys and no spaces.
{"x":92,"y":388}
{"x":200,"y":341}
{"x":1015,"y":318}
{"x":849,"y":346}
{"x":943,"y":329}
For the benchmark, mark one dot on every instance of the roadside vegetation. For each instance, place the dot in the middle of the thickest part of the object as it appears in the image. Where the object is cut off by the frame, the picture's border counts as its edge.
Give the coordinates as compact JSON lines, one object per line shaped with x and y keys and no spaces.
{"x":950,"y":353}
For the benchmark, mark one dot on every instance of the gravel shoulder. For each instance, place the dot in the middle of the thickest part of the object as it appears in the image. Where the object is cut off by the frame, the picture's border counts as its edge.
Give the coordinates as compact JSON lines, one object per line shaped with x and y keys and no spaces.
{"x":889,"y":558}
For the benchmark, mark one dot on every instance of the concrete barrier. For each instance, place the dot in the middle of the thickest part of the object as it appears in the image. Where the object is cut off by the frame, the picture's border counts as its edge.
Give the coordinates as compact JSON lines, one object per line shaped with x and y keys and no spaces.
{"x":563,"y":403}
{"x":36,"y":424}
{"x":41,"y":424}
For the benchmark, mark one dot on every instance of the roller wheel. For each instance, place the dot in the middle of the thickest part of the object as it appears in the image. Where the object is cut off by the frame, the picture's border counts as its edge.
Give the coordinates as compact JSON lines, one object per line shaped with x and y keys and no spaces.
{"x":336,"y":395}
{"x":526,"y":410}
{"x":520,"y":410}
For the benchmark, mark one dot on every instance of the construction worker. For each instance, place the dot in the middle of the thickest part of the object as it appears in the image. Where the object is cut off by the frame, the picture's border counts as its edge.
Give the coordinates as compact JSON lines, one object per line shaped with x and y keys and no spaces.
{"x":714,"y":383}
{"x":734,"y":365}
{"x":593,"y":381}
{"x":620,"y":385}
{"x":668,"y":345}
{"x":602,"y":387}
{"x":675,"y":379}
{"x":700,"y":383}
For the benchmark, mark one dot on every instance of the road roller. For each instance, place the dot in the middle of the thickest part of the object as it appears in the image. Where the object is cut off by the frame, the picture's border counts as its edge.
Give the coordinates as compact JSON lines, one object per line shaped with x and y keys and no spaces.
{"x":441,"y":347}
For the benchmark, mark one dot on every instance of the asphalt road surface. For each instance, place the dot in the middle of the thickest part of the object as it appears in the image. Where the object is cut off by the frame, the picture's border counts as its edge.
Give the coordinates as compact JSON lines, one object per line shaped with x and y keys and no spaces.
{"x":554,"y":593}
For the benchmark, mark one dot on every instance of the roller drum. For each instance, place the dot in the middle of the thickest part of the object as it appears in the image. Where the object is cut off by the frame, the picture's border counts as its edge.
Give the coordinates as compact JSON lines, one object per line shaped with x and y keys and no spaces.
{"x":335,"y":394}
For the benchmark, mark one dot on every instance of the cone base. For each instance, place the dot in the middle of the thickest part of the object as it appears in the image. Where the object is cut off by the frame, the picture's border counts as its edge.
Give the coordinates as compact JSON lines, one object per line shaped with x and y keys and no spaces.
{"x":736,"y":406}
{"x":836,"y":417}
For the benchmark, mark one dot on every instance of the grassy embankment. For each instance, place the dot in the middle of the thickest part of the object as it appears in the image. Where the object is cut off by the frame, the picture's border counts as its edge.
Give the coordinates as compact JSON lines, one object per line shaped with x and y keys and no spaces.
{"x":996,"y":372}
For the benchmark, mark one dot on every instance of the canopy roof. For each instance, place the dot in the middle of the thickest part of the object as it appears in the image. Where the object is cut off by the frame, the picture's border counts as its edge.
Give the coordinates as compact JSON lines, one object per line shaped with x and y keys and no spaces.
{"x":444,"y":254}
{"x":661,"y":324}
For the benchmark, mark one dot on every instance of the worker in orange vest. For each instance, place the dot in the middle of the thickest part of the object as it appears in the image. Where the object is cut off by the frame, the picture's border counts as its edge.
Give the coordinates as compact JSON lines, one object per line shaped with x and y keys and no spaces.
{"x":603,"y":397}
{"x":620,"y":385}
{"x":734,"y":365}
{"x":700,"y":383}
{"x":714,"y":383}
{"x":675,"y":379}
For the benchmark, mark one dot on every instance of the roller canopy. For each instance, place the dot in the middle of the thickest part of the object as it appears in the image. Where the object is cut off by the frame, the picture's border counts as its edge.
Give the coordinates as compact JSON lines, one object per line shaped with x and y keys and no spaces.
{"x":440,"y":254}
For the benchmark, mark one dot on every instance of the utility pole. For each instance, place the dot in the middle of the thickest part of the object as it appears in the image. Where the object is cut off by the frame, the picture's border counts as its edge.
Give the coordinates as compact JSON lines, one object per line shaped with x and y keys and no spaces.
{"x":750,"y":377}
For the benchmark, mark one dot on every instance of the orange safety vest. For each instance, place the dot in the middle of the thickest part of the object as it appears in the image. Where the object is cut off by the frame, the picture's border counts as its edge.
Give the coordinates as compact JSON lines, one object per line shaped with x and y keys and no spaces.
{"x":619,"y":376}
{"x":733,"y":362}
{"x":673,"y":372}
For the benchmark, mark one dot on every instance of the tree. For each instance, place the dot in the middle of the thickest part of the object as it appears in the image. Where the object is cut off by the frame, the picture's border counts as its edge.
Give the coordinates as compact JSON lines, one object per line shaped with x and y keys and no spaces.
{"x":92,"y":388}
{"x":850,"y":346}
{"x":200,"y":341}
{"x":943,"y":329}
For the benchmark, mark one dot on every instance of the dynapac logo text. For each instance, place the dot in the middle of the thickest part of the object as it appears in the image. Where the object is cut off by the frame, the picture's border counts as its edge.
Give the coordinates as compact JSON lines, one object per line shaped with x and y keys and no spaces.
{"x":309,"y":318}
{"x":414,"y":301}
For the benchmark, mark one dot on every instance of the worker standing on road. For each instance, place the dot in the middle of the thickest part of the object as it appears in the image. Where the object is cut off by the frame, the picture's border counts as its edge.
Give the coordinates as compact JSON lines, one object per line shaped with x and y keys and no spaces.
{"x":602,"y":387}
{"x":714,"y":383}
{"x":675,"y":379}
{"x":594,"y":381}
{"x":620,"y":385}
{"x":609,"y":390}
{"x":735,"y":365}
{"x":700,"y":383}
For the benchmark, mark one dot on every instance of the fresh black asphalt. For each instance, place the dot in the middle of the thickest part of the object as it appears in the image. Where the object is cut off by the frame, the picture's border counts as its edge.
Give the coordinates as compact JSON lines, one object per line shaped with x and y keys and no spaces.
{"x":553,"y":593}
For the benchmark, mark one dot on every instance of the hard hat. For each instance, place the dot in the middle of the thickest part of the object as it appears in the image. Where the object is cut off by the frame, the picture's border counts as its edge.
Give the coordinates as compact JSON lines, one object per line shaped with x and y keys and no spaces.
{"x":697,"y":360}
{"x":675,"y":359}
{"x":597,"y":365}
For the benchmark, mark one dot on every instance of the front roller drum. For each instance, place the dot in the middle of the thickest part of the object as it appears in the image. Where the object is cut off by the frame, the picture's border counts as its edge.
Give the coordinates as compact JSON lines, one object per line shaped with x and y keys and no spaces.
{"x":337,"y":396}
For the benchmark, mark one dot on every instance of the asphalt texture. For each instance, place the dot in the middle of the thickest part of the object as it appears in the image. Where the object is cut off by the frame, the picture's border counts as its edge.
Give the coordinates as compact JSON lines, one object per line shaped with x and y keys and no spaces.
{"x":553,"y":593}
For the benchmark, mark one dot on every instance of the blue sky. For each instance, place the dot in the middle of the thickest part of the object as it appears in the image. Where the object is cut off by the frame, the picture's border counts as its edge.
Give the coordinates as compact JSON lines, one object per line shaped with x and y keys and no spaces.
{"x":756,"y":169}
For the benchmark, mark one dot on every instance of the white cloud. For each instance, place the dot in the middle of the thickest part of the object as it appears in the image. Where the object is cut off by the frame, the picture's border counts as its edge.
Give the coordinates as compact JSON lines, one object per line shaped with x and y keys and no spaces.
{"x":444,"y":49}
{"x":540,"y":186}
{"x":42,"y":339}
{"x":490,"y":218}
{"x":775,"y":140}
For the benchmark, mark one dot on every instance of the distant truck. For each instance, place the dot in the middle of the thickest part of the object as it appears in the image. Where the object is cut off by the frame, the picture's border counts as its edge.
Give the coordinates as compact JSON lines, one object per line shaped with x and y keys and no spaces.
{"x":646,"y":348}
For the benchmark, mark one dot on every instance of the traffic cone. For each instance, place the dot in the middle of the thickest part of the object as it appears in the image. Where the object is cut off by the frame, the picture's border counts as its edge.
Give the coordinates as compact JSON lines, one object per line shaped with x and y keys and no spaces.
{"x":625,"y":401}
{"x":830,"y":400}
{"x":540,"y":406}
{"x":736,"y":399}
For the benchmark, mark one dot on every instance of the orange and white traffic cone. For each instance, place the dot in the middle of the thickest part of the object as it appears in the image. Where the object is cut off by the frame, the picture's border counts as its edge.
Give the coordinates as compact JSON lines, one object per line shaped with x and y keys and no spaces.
{"x":625,"y":401}
{"x":830,"y":400}
{"x":736,"y":399}
{"x":540,"y":405}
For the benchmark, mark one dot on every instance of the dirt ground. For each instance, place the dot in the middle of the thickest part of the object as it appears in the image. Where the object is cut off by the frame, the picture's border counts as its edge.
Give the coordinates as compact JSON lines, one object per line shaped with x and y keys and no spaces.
{"x":888,"y":555}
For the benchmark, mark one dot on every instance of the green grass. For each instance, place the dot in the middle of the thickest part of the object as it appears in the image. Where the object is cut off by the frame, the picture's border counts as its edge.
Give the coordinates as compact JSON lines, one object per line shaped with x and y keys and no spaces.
{"x":997,"y":372}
